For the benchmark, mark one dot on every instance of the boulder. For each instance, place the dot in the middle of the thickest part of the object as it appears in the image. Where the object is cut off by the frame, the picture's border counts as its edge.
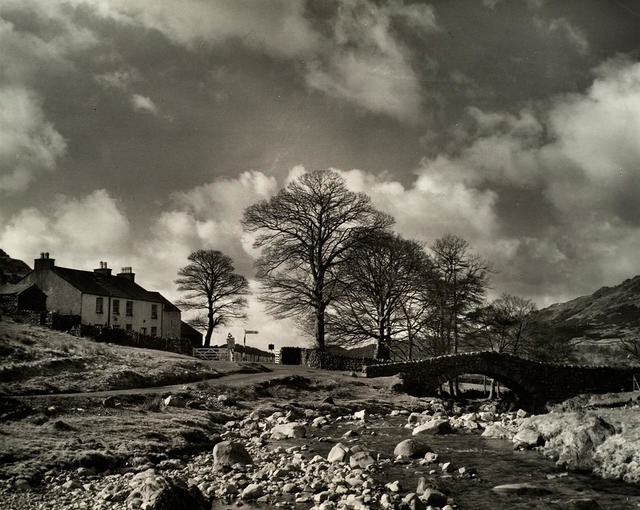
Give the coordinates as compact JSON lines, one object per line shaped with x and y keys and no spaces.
{"x":496,"y":431}
{"x":411,"y":448}
{"x":527,"y":438}
{"x":338,"y":453}
{"x":150,"y":491}
{"x":577,"y":446}
{"x":361,"y":415}
{"x":110,"y":402}
{"x":433,"y":427}
{"x":582,"y":504}
{"x":228,"y":453}
{"x":252,"y":491}
{"x":289,"y":430}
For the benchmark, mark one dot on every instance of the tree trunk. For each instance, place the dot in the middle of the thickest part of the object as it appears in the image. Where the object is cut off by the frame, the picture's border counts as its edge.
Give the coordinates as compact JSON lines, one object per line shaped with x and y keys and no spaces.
{"x":207,"y":337}
{"x":492,"y":392}
{"x":320,"y":327}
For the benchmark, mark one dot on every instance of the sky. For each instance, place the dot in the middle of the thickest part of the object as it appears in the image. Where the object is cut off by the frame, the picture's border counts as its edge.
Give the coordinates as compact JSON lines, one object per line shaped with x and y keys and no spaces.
{"x":135,"y":132}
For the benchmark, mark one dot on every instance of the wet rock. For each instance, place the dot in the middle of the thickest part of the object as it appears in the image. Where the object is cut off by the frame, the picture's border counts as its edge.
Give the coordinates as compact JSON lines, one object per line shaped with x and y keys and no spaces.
{"x":349,"y":434}
{"x":411,"y":448}
{"x":150,"y":491}
{"x":328,"y":400}
{"x":228,"y":453}
{"x":521,"y":489}
{"x":433,"y":427}
{"x":289,"y":430}
{"x":527,"y":438}
{"x":219,"y":417}
{"x":447,"y":467}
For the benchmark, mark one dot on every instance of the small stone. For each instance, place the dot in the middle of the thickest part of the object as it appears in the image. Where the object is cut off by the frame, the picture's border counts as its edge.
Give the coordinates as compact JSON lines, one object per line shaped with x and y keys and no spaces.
{"x":527,"y":438}
{"x":394,"y":486}
{"x":360,"y":415}
{"x":435,"y":426}
{"x":361,"y":459}
{"x":431,"y":457}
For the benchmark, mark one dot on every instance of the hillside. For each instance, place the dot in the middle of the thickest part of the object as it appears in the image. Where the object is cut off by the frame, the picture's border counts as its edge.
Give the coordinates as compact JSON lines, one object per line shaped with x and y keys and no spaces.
{"x":38,"y":360}
{"x":594,"y":324}
{"x":610,"y":312}
{"x":11,"y":270}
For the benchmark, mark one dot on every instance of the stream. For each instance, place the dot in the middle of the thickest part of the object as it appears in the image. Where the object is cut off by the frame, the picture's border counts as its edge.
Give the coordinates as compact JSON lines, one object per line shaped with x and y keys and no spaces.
{"x":494,"y":461}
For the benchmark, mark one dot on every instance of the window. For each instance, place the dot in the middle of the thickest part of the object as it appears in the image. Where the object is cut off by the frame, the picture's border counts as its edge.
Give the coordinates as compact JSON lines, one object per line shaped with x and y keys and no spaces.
{"x":128,"y":327}
{"x":143,"y":331}
{"x":99,"y":305}
{"x":154,"y":331}
{"x":129,"y":310}
{"x":154,"y":311}
{"x":116,"y":307}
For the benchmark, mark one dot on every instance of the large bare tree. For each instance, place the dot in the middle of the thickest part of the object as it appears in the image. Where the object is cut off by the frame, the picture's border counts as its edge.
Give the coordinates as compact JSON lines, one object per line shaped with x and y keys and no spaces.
{"x":212,"y":288}
{"x":460,"y":280}
{"x":379,"y":281}
{"x":306,"y":231}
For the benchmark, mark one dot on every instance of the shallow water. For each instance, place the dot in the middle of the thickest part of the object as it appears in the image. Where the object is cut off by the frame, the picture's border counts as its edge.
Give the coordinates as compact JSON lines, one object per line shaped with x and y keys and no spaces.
{"x":494,"y":461}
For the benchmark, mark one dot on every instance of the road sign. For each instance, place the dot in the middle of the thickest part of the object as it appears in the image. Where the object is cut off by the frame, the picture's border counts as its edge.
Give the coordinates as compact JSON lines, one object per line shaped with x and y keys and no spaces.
{"x":250,"y":332}
{"x":231,"y":342}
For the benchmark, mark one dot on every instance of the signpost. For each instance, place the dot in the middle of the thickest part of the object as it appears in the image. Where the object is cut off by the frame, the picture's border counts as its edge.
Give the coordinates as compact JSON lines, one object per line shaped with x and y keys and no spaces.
{"x":247,"y":332}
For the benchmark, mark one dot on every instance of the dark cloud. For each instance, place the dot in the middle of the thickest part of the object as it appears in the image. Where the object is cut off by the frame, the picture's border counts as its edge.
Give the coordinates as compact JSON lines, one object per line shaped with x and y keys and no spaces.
{"x":514,"y":124}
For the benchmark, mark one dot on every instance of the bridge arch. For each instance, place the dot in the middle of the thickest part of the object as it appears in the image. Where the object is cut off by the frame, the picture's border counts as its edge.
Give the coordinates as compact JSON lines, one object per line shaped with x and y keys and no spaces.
{"x":535,"y":383}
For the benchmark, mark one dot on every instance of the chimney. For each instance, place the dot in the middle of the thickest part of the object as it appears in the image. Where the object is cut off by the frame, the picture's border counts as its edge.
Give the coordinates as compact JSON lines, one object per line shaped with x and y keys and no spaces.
{"x":127,"y":272}
{"x":103,"y":269}
{"x":44,"y":263}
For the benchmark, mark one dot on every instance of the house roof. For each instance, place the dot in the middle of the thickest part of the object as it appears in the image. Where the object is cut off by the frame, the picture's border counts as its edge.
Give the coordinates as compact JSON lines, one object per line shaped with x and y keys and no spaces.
{"x":168,"y":305}
{"x":188,"y":330}
{"x":101,"y":284}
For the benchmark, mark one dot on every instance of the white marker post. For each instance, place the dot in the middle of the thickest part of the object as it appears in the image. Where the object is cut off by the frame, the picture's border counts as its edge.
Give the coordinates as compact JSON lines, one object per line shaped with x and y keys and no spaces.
{"x":231,"y":343}
{"x":247,"y":332}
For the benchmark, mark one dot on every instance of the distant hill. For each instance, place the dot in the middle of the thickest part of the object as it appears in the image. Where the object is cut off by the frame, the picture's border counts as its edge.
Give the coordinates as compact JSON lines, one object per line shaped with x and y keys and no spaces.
{"x":610,"y":312}
{"x":11,"y":270}
{"x":594,"y":324}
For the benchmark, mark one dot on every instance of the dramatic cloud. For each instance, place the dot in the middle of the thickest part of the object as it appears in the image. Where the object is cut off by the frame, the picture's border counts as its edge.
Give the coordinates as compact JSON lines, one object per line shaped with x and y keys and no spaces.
{"x":29,"y":144}
{"x":79,"y":232}
{"x":369,"y":65}
{"x":277,"y":27}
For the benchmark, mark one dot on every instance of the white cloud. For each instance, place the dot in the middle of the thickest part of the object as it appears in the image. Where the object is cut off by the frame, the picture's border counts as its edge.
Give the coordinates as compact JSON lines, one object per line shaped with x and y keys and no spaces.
{"x":29,"y":144}
{"x":143,"y":104}
{"x":368,"y":64}
{"x":79,"y":232}
{"x":277,"y":27}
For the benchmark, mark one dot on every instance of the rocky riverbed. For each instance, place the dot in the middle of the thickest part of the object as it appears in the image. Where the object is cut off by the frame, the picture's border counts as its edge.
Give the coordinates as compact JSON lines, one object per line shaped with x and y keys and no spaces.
{"x":290,"y":444}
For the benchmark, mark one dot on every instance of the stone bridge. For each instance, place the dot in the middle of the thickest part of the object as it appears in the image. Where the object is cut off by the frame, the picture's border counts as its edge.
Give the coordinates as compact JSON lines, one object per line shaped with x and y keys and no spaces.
{"x":534,"y":383}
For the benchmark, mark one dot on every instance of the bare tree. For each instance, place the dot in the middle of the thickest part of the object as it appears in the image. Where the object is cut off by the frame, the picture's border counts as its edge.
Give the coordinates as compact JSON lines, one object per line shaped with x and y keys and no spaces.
{"x":212,"y":286}
{"x":460,"y":282}
{"x":306,"y":232}
{"x":378,"y":281}
{"x":504,"y":324}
